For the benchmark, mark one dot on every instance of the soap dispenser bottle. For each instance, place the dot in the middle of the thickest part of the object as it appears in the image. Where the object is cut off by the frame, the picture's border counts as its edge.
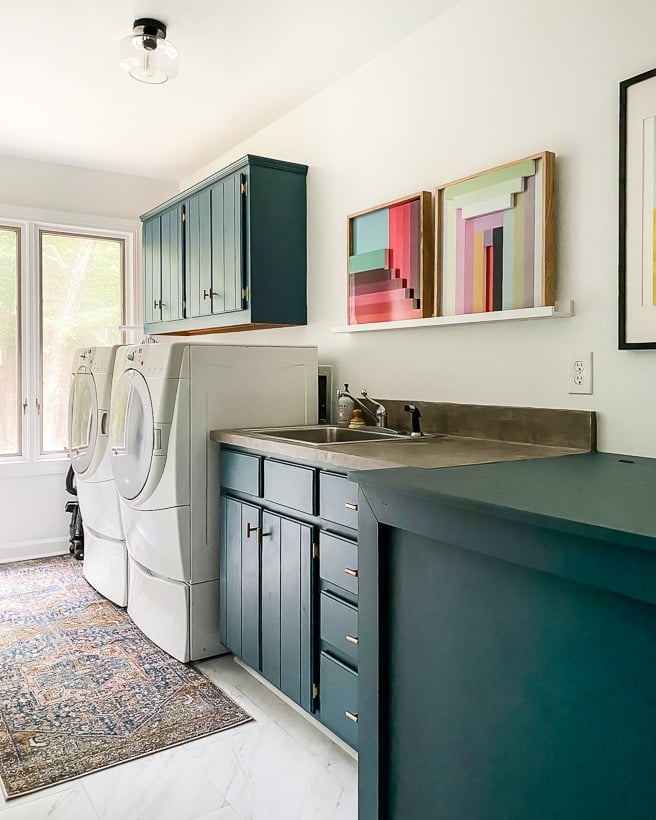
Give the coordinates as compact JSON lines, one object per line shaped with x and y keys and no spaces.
{"x":345,"y":406}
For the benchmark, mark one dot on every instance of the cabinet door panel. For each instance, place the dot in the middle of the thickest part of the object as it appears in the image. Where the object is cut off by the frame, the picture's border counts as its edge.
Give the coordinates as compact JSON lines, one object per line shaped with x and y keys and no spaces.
{"x":198,"y":254}
{"x":271,"y":596}
{"x":227,"y":244}
{"x":295,"y":611}
{"x":152,"y":269}
{"x":230,"y":573}
{"x":250,"y":586}
{"x":171,"y":248}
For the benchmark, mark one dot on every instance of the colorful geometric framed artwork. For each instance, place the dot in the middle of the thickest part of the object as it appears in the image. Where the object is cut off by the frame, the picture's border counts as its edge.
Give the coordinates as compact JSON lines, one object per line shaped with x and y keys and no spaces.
{"x":637,"y":212}
{"x":495,"y":240}
{"x":390,"y":255}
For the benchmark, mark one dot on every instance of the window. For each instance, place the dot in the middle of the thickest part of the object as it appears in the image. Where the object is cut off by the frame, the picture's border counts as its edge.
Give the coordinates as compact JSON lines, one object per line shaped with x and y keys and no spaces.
{"x":81,"y":306}
{"x":10,"y":366}
{"x":61,"y":287}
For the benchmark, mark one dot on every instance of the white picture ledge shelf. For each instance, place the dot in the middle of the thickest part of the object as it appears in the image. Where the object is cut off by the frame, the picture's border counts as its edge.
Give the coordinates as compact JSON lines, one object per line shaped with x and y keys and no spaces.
{"x":561,"y":310}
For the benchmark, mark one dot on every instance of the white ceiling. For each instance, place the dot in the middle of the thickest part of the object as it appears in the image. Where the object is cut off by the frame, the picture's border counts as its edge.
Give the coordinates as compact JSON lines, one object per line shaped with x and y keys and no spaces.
{"x":242,"y":65}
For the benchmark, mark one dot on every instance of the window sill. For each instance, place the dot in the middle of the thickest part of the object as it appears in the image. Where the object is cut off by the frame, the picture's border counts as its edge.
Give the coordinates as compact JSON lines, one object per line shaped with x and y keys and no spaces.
{"x":21,"y":468}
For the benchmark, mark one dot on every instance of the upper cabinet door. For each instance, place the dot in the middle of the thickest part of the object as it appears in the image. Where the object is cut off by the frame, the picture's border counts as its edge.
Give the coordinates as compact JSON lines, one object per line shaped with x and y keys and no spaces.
{"x":152,"y":269}
{"x":198,"y":253}
{"x":228,"y":206}
{"x":172,"y":299}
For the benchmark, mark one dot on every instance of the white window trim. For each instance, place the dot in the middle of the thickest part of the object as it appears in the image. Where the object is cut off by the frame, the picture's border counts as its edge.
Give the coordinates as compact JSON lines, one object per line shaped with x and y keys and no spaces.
{"x":31,"y":221}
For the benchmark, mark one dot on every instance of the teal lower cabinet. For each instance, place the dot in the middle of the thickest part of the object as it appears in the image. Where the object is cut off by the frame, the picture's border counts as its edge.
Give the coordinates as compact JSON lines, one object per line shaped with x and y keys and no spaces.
{"x":507,"y":664}
{"x":289,"y":581}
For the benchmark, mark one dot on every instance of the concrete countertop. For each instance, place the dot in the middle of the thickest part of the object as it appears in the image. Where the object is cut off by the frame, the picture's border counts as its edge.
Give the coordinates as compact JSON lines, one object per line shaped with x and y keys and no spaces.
{"x":428,"y":452}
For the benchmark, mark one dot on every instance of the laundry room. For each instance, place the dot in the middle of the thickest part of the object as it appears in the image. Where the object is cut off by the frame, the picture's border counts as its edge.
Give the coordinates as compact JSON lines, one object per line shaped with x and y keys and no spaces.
{"x":327,"y":367}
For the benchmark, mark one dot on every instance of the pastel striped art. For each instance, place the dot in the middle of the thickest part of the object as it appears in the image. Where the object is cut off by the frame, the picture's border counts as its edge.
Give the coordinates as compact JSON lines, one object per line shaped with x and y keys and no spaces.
{"x":494,"y":230}
{"x":385,"y":262}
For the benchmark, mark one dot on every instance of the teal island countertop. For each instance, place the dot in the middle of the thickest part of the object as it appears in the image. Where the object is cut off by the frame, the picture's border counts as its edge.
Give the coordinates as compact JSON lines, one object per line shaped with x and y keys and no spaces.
{"x":595,"y":494}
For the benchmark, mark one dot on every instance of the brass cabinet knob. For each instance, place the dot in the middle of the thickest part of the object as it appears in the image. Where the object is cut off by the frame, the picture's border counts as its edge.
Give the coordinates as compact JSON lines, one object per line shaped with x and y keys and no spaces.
{"x":350,"y":506}
{"x":352,"y":639}
{"x":352,"y":572}
{"x":352,"y":716}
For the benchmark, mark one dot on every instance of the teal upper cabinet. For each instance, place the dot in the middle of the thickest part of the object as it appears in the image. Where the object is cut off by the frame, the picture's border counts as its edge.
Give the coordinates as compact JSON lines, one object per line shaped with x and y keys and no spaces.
{"x":230,"y":253}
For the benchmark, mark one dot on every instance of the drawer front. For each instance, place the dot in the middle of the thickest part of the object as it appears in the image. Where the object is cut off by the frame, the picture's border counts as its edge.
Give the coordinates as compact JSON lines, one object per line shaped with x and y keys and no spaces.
{"x":339,"y":699}
{"x":240,"y":472}
{"x":289,"y":485}
{"x":338,"y":561}
{"x":339,"y":627}
{"x":338,"y":500}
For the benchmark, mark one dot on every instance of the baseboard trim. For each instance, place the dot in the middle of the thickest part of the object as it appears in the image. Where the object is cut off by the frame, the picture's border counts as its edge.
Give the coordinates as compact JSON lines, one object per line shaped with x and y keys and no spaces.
{"x":299,"y":709}
{"x":27,"y":550}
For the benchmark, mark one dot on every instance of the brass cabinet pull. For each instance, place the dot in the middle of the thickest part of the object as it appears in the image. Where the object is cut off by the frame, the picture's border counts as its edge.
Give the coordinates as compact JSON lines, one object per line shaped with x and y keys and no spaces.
{"x":266,"y":534}
{"x":352,"y":639}
{"x":352,"y":716}
{"x":250,"y":529}
{"x":352,"y":572}
{"x":157,"y":304}
{"x":350,"y":506}
{"x":207,"y":294}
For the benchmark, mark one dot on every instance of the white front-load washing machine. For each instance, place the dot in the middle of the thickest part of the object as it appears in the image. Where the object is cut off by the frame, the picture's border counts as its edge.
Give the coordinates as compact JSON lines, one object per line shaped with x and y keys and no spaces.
{"x":105,"y":556}
{"x":166,"y":400}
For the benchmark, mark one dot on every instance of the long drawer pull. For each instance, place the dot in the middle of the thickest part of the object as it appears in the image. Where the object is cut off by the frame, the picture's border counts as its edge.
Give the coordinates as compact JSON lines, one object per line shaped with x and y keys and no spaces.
{"x":352,"y":639}
{"x":351,"y":572}
{"x":350,"y":506}
{"x":352,"y":716}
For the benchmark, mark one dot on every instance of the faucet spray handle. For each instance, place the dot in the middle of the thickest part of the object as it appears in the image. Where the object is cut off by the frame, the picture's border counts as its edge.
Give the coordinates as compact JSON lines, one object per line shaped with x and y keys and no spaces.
{"x":416,"y":415}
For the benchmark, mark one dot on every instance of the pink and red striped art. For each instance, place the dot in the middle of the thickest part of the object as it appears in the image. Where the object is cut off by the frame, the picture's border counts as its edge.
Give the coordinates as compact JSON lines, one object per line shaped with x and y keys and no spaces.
{"x":385,"y":271}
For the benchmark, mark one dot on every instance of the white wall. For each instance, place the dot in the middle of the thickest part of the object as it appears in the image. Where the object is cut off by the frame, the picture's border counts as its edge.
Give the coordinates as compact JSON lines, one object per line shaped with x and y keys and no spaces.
{"x":32,"y":497}
{"x":484,"y":84}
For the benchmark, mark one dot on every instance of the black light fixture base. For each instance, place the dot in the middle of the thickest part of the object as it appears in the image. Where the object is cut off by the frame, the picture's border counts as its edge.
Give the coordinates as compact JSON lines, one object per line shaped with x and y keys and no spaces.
{"x":149,"y":27}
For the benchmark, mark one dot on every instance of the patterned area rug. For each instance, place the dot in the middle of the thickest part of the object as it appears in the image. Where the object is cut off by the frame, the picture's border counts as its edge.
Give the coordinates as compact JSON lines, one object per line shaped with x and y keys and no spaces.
{"x":81,"y":688}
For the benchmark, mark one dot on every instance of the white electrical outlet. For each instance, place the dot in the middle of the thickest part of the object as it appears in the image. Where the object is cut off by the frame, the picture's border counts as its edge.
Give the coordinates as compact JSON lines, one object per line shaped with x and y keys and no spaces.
{"x":580,"y":373}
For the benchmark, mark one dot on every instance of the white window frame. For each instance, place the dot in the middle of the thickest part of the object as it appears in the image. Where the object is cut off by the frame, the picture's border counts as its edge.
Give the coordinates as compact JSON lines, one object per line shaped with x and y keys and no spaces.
{"x":31,"y":222}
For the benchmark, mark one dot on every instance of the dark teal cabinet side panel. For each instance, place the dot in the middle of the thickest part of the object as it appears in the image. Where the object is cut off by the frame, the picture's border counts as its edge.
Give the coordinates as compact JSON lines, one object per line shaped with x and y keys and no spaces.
{"x":277,"y":215}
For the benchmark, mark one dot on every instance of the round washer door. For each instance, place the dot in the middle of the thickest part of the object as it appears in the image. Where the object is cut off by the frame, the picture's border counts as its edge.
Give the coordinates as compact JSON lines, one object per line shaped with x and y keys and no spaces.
{"x":131,"y":434}
{"x":83,"y":421}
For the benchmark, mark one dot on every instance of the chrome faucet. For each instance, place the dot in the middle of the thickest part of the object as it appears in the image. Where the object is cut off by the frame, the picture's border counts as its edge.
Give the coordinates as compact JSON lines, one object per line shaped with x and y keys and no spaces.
{"x":379,"y":417}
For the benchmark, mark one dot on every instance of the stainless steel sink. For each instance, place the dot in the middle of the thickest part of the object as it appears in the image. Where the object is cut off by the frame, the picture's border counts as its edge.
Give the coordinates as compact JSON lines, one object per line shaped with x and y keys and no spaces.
{"x":327,"y":434}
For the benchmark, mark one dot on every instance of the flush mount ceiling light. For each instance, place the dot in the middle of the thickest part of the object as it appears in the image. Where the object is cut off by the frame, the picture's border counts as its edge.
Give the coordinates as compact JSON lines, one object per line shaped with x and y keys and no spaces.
{"x":147,"y":55}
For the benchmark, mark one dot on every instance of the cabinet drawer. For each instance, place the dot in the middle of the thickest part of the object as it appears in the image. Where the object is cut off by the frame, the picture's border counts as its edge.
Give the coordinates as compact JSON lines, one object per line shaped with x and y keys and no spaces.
{"x":240,"y":472}
{"x":338,"y":561}
{"x":289,"y":485}
{"x":339,"y":699}
{"x":338,"y":499}
{"x":339,"y":627}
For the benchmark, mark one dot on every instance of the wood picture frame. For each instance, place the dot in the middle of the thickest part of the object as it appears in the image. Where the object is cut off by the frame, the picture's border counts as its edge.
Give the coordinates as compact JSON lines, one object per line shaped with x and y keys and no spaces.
{"x":637,"y":213}
{"x":495,"y":244}
{"x":390,"y":261}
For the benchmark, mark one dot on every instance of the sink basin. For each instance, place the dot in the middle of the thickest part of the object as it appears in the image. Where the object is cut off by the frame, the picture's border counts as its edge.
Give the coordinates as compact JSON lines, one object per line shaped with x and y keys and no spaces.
{"x":327,"y":434}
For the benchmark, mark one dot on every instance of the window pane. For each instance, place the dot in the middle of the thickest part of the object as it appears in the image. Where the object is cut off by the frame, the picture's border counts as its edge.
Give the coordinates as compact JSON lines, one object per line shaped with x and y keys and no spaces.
{"x":81,"y":306}
{"x":10,"y":387}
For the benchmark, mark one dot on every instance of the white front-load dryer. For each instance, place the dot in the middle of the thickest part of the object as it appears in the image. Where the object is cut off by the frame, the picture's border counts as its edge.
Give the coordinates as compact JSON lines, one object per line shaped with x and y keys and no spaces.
{"x":105,"y":555}
{"x":165,"y":402}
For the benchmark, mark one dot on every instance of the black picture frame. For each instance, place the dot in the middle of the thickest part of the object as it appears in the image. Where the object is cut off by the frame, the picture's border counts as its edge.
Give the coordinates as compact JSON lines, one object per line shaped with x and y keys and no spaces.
{"x":631,"y":337}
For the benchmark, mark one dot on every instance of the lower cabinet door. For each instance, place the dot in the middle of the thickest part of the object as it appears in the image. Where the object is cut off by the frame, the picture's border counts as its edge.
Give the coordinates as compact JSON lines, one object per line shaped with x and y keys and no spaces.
{"x":338,"y":696}
{"x":286,"y":606}
{"x":240,"y":580}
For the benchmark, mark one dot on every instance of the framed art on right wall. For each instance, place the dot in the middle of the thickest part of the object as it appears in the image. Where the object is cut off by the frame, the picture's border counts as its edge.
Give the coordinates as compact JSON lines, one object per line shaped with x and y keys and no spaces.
{"x":495,"y":238}
{"x":637,"y":212}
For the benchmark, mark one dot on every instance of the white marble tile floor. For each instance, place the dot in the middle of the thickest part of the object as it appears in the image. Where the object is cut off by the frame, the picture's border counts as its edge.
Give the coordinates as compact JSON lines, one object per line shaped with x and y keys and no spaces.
{"x":277,"y":767}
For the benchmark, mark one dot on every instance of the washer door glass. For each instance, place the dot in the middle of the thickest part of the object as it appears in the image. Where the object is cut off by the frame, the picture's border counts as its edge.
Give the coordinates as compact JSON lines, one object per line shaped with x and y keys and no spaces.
{"x":83,"y":421}
{"x":132,"y":434}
